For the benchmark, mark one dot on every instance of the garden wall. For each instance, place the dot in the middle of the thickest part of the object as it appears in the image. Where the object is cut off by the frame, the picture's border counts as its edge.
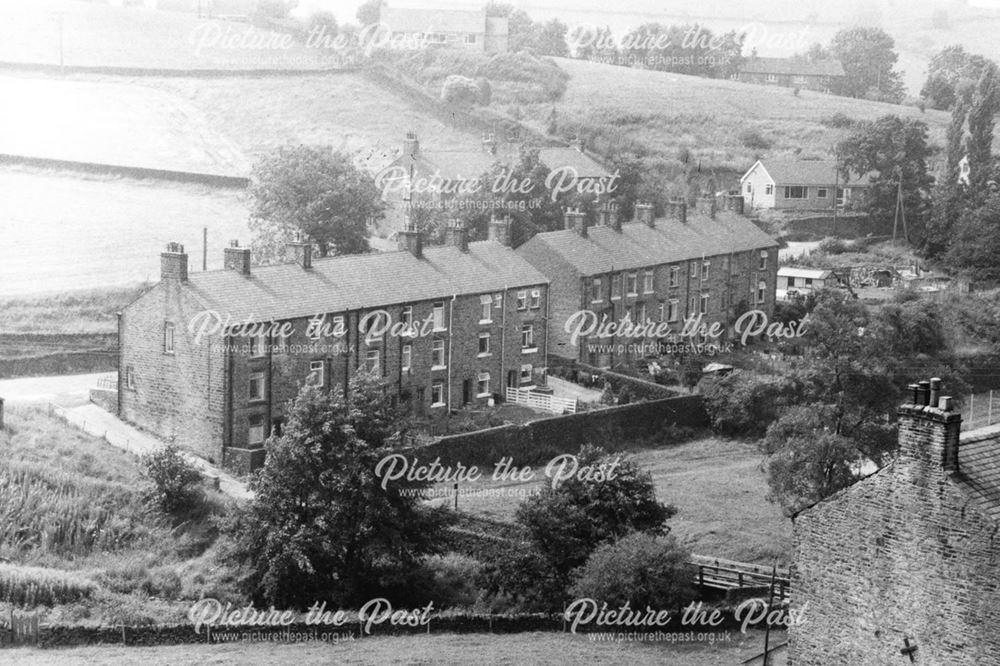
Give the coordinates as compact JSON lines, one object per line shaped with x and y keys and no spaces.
{"x":539,"y":441}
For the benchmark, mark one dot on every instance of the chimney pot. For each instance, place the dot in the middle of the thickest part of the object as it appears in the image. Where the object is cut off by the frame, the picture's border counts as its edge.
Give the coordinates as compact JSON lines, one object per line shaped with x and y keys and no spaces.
{"x":914,"y":393}
{"x":411,"y":240}
{"x":925,"y":393}
{"x":944,"y":403}
{"x":576,"y":219}
{"x":935,"y":385}
{"x":457,"y":235}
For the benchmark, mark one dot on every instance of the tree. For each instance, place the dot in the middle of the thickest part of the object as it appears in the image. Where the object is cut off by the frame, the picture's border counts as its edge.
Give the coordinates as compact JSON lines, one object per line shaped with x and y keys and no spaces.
{"x":868,"y":56}
{"x":975,"y":248}
{"x":948,"y":71}
{"x":320,"y":525}
{"x":984,"y":106}
{"x":551,"y":39}
{"x":639,"y":569}
{"x":369,"y":12}
{"x":315,"y":192}
{"x":893,"y":150}
{"x":459,"y":90}
{"x":744,"y":404}
{"x":949,"y":193}
{"x":567,"y":522}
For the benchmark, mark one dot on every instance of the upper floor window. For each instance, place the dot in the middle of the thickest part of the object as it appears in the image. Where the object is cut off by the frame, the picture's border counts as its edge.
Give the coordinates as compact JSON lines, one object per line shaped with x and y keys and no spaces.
{"x":675,"y":273}
{"x":536,"y":299}
{"x":485,"y":309}
{"x":168,"y":337}
{"x":616,"y":285}
{"x":257,"y":389}
{"x":258,"y":345}
{"x":705,"y":266}
{"x":763,"y":259}
{"x":406,"y":316}
{"x":317,"y":374}
{"x":470,"y":38}
{"x":647,"y":282}
{"x":632,"y":284}
{"x":761,"y":291}
{"x":522,"y":300}
{"x":439,"y":317}
{"x":595,"y":290}
{"x":704,"y":304}
{"x":129,"y":377}
{"x":694,"y":269}
{"x":769,"y":188}
{"x":484,"y":344}
{"x":672,"y":310}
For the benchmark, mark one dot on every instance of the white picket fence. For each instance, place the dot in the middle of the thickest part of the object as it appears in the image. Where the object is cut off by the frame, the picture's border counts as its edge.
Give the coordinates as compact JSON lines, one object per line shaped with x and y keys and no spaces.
{"x":543,"y":401}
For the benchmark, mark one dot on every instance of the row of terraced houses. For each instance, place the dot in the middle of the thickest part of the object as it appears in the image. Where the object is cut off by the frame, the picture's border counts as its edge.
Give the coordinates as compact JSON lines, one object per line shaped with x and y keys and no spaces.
{"x":210,"y":359}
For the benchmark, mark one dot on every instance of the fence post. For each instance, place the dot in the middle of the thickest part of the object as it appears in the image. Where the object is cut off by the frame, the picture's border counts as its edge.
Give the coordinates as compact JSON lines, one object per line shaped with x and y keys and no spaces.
{"x":972,"y":409}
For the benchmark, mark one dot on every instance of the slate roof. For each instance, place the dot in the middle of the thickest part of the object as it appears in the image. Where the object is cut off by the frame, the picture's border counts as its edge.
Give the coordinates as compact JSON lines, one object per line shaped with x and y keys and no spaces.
{"x":979,"y":469}
{"x":449,"y":164}
{"x":403,"y":19}
{"x":337,"y":284}
{"x":638,"y":245}
{"x":792,"y":67}
{"x":585,"y":166}
{"x":807,"y":172}
{"x":793,"y":271}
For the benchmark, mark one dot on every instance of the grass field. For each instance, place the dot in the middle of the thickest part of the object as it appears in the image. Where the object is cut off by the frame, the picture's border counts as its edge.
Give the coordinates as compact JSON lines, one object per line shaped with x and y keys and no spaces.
{"x":510,"y":650}
{"x":666,"y":112}
{"x":716,"y":485}
{"x":106,"y":121}
{"x":64,"y":232}
{"x":100,"y":34}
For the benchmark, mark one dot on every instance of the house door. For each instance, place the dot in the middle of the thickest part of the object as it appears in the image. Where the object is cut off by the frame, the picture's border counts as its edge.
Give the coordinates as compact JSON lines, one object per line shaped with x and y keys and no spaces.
{"x":512,"y":379}
{"x":420,"y":402}
{"x":466,"y":391}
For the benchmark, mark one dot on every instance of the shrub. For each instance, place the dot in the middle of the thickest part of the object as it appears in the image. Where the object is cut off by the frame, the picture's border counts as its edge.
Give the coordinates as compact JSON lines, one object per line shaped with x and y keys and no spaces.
{"x":833,"y":246}
{"x":638,"y":569}
{"x":451,"y":580}
{"x":459,"y":90}
{"x":485,"y":91}
{"x":755,"y":140}
{"x":174,"y":479}
{"x":744,"y":404}
{"x":838,"y":120}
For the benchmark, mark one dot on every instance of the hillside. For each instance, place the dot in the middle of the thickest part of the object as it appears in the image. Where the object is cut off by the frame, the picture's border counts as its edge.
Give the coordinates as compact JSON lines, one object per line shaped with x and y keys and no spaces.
{"x":95,"y":34}
{"x":666,"y":112}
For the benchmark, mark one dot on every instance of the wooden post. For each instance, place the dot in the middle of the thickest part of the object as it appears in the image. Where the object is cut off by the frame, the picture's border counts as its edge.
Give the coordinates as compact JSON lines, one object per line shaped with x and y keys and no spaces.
{"x":456,"y":497}
{"x":767,"y":626}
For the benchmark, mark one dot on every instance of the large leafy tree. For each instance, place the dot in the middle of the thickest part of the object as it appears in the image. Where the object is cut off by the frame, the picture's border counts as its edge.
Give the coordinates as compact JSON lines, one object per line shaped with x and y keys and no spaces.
{"x":320,"y":524}
{"x":567,"y":522}
{"x":983,"y":107}
{"x":894,"y":151}
{"x":315,"y":192}
{"x":975,"y":249}
{"x":868,"y":55}
{"x":949,"y":192}
{"x":948,"y":71}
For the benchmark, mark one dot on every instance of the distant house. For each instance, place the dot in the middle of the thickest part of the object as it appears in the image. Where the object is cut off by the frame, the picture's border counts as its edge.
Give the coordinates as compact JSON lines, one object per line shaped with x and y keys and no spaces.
{"x":460,"y":28}
{"x":794,"y":280}
{"x":819,"y":75}
{"x":801,"y":185}
{"x":576,"y":167}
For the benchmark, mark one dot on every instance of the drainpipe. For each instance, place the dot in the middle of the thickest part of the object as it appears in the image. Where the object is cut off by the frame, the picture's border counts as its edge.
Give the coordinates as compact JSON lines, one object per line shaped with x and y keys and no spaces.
{"x":451,"y":339}
{"x":545,"y":330}
{"x":503,"y":342}
{"x":121,"y":370}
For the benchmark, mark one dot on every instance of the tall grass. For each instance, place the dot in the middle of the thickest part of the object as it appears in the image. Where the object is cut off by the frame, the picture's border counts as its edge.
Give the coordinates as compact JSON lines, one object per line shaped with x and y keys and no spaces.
{"x":34,"y":586}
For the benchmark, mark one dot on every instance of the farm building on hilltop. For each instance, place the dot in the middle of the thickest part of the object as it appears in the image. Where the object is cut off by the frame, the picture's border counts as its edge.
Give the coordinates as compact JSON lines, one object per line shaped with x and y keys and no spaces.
{"x":903,"y":566}
{"x":819,"y":75}
{"x":460,"y":28}
{"x":801,"y":185}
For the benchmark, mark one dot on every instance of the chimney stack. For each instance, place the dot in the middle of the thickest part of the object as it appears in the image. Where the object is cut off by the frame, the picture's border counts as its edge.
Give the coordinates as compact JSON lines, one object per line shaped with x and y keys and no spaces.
{"x":576,"y":219}
{"x":608,"y":214}
{"x":299,"y":251}
{"x":411,"y":145}
{"x":735,"y":202}
{"x":500,"y":230}
{"x":644,"y":213}
{"x":410,"y":239}
{"x":708,"y":204}
{"x":457,"y":235}
{"x":929,"y":429}
{"x":174,"y":263}
{"x":236,"y":258}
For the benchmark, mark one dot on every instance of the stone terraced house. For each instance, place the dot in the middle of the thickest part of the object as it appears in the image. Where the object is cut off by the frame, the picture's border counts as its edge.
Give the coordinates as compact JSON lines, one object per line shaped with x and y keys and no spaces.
{"x":707,"y":265}
{"x":904,"y":565}
{"x":446,"y":326}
